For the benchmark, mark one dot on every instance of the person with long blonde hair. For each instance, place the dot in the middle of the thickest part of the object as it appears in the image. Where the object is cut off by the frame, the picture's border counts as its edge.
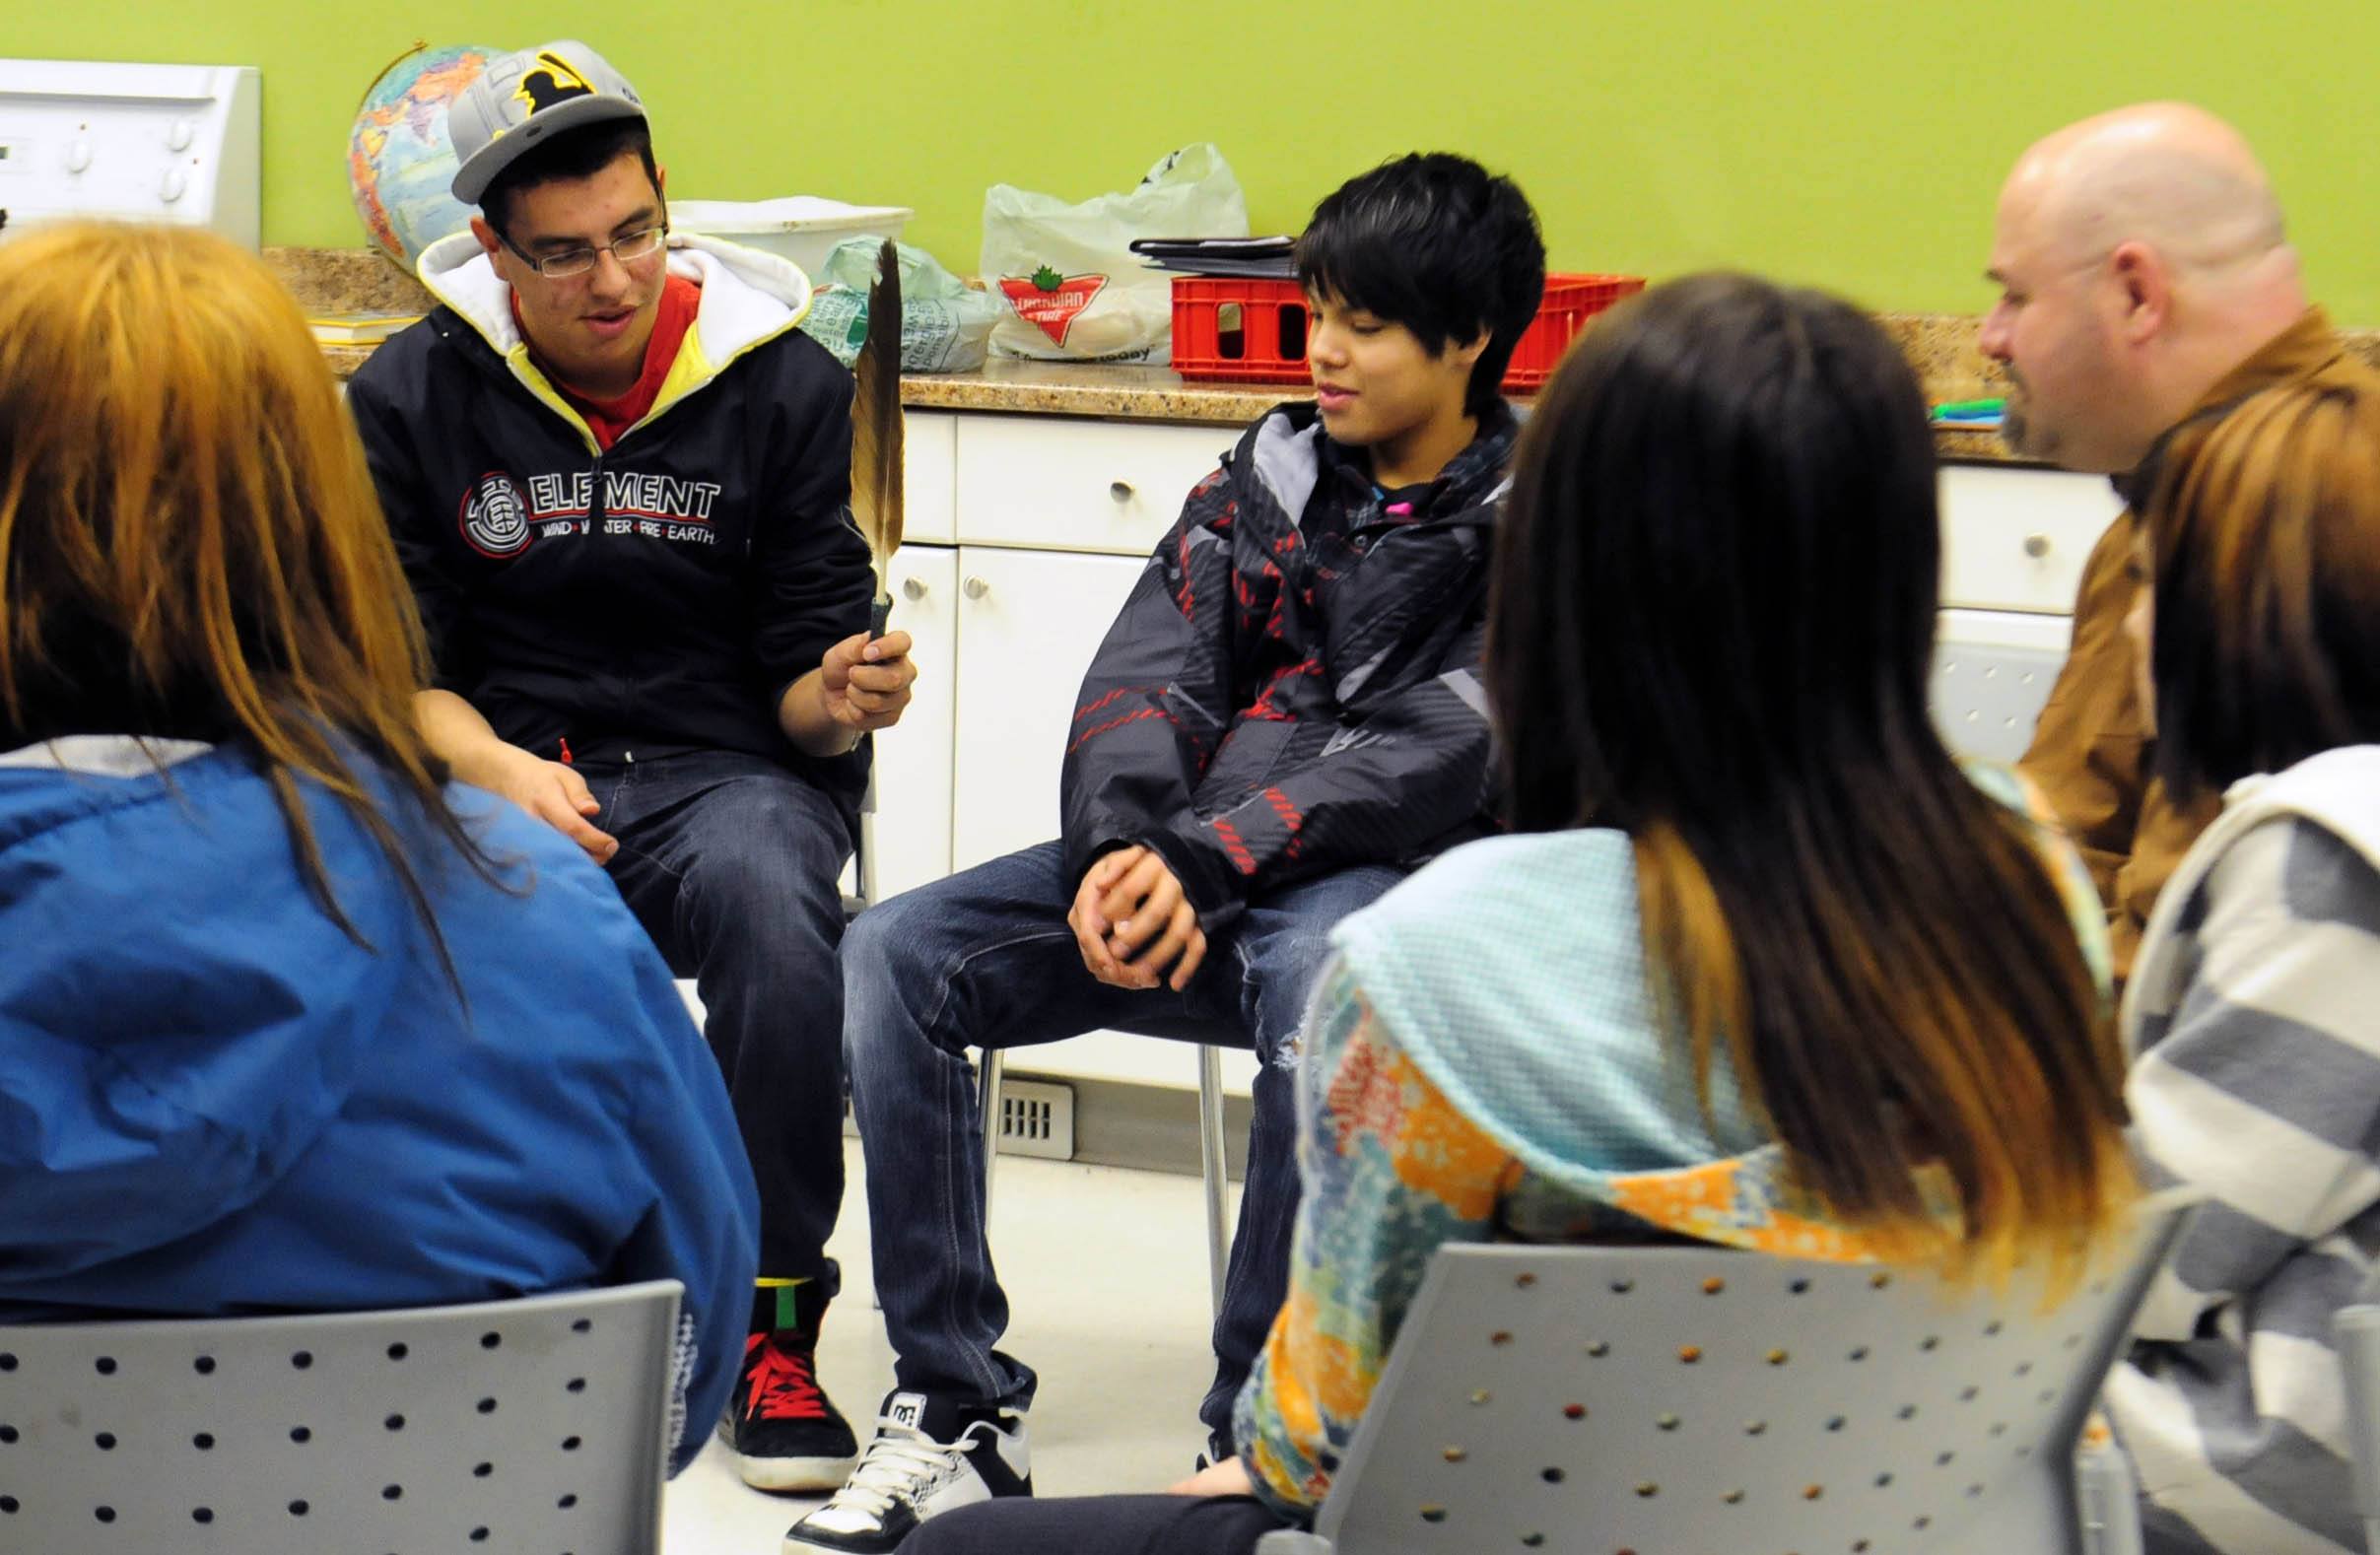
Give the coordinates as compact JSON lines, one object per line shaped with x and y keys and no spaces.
{"x":1762,"y":966}
{"x":287,"y":1022}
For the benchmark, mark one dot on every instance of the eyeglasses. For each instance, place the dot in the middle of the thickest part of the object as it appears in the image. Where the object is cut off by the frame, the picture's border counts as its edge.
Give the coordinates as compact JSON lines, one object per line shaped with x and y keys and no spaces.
{"x":579,"y":261}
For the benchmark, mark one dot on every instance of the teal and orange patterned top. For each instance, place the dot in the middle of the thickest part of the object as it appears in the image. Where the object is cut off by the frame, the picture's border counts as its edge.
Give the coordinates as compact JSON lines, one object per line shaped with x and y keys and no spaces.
{"x":1484,"y":1062}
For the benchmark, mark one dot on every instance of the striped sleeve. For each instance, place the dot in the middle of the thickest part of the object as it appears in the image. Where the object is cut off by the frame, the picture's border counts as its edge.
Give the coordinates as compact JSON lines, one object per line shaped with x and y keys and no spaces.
{"x":1390,"y":1170}
{"x":2260,"y":1086}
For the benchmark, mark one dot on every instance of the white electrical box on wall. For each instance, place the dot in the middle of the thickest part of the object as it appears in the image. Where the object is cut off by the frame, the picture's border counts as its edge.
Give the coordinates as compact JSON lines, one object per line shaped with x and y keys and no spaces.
{"x":148,"y":143}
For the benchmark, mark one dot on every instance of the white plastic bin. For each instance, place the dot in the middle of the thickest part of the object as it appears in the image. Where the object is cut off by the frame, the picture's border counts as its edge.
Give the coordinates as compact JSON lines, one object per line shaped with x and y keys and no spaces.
{"x":802,"y":228}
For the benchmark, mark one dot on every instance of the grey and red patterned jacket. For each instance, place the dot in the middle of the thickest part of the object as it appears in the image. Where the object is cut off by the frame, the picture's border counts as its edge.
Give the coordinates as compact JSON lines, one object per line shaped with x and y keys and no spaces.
{"x":1293,"y":687}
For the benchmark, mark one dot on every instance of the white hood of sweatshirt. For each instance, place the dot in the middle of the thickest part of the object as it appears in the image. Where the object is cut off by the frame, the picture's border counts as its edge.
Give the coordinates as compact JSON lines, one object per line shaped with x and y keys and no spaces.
{"x":749,"y":298}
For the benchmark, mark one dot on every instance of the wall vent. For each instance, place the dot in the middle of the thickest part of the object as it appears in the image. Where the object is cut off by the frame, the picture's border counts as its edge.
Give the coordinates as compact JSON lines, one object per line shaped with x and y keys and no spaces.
{"x":1037,"y":1119}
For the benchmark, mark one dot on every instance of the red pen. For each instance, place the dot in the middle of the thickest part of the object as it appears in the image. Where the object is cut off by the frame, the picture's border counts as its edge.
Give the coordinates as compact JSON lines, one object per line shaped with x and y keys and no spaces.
{"x":566,"y":751}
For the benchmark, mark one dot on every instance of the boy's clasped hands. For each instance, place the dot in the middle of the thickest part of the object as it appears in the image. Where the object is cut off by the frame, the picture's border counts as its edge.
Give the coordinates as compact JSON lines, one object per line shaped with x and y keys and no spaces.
{"x":1133,"y":921}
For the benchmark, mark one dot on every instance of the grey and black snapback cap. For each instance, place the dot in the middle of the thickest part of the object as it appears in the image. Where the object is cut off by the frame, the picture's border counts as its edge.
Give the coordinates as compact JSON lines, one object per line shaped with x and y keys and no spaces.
{"x":522,"y":100}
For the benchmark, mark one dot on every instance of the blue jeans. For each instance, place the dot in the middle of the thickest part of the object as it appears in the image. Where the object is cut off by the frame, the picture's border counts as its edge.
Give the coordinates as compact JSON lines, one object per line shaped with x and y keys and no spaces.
{"x":732,"y":861}
{"x":985,"y":959}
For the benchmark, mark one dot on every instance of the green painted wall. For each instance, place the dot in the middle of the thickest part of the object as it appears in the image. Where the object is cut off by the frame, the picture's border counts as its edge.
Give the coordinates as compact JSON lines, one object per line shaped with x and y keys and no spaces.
{"x":1857,"y":146}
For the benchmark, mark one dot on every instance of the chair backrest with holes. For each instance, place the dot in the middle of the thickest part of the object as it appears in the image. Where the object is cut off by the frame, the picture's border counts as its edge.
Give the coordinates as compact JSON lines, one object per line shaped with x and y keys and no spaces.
{"x":1986,"y":696}
{"x":1597,"y":1401}
{"x":531,"y":1427}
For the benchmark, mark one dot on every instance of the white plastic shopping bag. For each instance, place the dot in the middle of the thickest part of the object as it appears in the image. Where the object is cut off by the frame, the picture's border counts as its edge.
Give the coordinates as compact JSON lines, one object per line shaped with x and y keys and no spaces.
{"x":1075,"y":290}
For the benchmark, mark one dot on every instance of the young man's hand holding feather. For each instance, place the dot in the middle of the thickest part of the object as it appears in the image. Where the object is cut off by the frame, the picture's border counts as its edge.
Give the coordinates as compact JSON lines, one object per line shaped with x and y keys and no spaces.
{"x":863,"y":683}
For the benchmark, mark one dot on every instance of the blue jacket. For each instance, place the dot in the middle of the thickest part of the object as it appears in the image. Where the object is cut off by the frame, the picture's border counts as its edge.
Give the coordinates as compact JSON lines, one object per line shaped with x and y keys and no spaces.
{"x":214,"y":1102}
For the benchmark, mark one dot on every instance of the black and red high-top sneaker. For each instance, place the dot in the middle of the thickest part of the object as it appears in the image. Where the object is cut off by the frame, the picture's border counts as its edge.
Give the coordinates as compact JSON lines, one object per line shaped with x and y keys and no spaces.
{"x":786,"y":1433}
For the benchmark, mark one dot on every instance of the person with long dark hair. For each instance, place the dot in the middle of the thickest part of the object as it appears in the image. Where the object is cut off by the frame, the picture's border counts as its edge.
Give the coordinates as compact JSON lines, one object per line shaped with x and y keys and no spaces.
{"x":1762,"y":965}
{"x":287,"y":1021}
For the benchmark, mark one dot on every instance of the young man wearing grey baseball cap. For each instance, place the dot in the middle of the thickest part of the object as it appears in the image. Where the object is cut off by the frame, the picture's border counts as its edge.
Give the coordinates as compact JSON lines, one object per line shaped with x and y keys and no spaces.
{"x":618,"y":476}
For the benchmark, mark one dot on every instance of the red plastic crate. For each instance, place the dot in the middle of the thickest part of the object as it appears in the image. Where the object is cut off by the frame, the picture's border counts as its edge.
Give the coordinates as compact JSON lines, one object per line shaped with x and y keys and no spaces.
{"x":1240,"y":330}
{"x":1570,"y":300}
{"x":1231,"y":330}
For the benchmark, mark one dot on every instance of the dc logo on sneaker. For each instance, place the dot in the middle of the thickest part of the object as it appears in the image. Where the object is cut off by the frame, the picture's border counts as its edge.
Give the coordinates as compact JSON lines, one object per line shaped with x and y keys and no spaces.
{"x":496,"y":516}
{"x":907,"y":1410}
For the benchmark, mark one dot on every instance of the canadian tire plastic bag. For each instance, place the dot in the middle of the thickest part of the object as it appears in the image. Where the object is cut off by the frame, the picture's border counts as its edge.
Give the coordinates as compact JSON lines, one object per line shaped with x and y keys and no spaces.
{"x":945,"y":324}
{"x":1073,"y":288}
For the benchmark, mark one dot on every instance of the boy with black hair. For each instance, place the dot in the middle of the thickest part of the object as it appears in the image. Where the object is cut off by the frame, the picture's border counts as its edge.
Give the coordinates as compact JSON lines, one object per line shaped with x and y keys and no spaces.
{"x":616,"y":475}
{"x":1285,"y":717}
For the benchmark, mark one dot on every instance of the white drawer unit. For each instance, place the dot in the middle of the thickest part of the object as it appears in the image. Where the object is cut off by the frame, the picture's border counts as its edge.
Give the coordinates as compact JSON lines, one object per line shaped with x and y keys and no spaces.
{"x":1076,"y":484}
{"x":929,"y":476}
{"x":2016,"y":539}
{"x":146,"y":142}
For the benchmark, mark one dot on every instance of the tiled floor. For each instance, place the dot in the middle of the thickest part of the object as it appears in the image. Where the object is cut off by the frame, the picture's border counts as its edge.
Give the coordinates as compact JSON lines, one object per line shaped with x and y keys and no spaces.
{"x":1106,"y":1272}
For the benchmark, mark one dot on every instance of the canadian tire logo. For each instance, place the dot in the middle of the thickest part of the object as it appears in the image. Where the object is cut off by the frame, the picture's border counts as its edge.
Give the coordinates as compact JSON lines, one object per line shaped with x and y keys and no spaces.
{"x":1049,"y":301}
{"x":496,"y":516}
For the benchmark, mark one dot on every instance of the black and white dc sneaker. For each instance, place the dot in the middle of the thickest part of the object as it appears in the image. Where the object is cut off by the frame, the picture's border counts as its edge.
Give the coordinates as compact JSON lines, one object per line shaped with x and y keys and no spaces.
{"x":927,"y":1456}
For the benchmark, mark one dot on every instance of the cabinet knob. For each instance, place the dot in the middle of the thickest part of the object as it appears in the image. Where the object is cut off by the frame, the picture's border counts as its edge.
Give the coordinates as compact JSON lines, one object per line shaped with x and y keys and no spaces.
{"x":2036,"y":546}
{"x":78,"y":155}
{"x":975,"y":589}
{"x":912,"y":588}
{"x":1121,"y":491}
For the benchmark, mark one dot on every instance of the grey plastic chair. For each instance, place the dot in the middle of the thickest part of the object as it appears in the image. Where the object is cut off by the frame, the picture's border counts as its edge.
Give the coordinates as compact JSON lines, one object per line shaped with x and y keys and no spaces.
{"x":1986,"y":696}
{"x":532,"y":1427}
{"x":2357,"y":1331}
{"x":1598,"y":1399}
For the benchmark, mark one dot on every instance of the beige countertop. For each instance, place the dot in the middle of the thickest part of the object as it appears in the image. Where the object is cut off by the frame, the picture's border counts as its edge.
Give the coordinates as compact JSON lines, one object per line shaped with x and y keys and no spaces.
{"x":1940,"y":346}
{"x":1063,"y":388}
{"x":1118,"y":393}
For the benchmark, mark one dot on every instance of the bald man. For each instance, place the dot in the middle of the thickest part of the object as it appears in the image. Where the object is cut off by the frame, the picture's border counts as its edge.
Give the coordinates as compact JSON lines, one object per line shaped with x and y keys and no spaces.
{"x":2146,"y":278}
{"x":2147,"y":281}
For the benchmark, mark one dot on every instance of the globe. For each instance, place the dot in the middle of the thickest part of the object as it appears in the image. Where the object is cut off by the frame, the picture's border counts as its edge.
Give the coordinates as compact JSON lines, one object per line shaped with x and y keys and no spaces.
{"x":400,"y":159}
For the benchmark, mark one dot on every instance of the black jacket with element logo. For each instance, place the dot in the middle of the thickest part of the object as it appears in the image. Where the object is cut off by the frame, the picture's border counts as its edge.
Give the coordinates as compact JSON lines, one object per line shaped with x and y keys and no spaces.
{"x":655,"y":596}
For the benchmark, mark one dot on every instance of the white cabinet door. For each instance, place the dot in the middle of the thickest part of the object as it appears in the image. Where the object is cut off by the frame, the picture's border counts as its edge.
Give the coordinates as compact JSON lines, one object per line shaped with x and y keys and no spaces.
{"x":909,"y":836}
{"x":2016,"y":539}
{"x":1029,"y":623}
{"x":1070,"y":484}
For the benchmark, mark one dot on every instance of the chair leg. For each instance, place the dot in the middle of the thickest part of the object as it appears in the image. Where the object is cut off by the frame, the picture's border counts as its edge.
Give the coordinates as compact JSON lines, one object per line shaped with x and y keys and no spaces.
{"x":988,"y":1111}
{"x":1213,"y":1164}
{"x":2108,"y":1494}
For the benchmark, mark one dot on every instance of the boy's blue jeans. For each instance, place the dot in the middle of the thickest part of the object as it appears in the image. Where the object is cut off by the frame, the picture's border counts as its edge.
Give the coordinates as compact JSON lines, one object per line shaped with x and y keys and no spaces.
{"x":985,"y":959}
{"x":730,"y":863}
